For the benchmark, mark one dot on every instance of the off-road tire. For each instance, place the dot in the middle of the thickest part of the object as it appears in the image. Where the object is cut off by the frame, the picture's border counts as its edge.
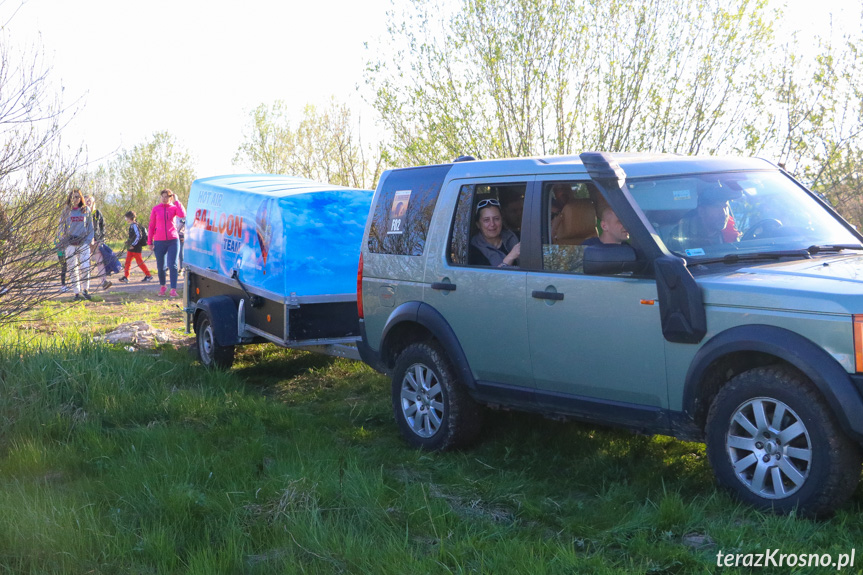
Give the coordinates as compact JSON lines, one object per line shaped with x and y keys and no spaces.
{"x":432,"y":408}
{"x":209,"y":352}
{"x":795,"y":456}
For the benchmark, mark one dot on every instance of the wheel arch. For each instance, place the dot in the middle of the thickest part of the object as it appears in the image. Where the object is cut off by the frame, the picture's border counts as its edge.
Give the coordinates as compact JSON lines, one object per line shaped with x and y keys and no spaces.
{"x":745,"y":347}
{"x":222,"y":310}
{"x":417,"y":321}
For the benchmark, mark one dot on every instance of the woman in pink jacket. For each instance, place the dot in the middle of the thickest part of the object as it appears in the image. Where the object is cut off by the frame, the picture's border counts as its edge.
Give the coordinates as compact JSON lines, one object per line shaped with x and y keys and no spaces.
{"x":163,"y":238}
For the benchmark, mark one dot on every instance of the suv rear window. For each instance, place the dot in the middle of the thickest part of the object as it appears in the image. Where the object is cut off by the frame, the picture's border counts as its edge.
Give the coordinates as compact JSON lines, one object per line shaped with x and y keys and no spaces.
{"x":404,"y":209}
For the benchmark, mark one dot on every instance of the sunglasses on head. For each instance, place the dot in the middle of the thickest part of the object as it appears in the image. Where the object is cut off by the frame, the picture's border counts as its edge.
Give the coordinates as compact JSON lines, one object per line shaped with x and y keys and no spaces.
{"x":488,"y":202}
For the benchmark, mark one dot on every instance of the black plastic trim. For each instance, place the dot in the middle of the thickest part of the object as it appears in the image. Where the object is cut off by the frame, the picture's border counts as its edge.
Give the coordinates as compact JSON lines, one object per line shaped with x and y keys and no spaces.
{"x":500,"y":394}
{"x":542,"y":294}
{"x":681,"y":305}
{"x":369,"y":356}
{"x":587,"y":409}
{"x":406,"y":312}
{"x":431,"y":319}
{"x":644,"y":418}
{"x":440,"y":328}
{"x":839,"y":388}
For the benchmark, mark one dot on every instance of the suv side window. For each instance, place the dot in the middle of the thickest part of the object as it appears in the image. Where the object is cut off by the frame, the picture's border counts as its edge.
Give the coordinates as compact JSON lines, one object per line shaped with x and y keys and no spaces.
{"x":569,"y":217}
{"x":403,"y":210}
{"x":507,"y":197}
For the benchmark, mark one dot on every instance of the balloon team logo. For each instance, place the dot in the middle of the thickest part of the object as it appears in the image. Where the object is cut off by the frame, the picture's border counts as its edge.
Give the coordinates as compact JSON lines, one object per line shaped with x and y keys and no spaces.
{"x":264,"y":228}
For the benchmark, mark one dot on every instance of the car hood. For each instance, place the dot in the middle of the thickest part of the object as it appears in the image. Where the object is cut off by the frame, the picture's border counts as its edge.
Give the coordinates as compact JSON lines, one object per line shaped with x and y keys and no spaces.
{"x":824,"y":284}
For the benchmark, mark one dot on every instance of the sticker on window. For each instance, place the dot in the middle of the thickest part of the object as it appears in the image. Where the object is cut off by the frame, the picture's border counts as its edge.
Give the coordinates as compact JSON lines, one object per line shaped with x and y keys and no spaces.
{"x":397,"y":212}
{"x":681,"y":195}
{"x":694,"y":252}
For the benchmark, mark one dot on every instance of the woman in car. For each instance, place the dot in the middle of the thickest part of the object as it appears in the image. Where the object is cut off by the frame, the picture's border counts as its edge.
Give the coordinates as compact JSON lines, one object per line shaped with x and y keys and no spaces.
{"x":495,"y":245}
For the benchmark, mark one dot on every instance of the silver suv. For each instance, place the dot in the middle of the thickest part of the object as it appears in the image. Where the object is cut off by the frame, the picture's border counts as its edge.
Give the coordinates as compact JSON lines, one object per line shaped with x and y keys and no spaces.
{"x":709,"y":299}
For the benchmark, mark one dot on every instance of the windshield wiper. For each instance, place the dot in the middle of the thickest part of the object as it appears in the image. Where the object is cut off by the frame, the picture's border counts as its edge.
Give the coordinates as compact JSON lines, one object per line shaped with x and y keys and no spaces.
{"x":753,"y":256}
{"x":833,"y":248}
{"x":807,"y":253}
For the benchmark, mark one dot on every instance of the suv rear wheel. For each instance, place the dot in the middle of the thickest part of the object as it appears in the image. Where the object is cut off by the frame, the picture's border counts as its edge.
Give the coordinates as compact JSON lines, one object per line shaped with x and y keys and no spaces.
{"x":772,"y":440}
{"x":432,"y":409}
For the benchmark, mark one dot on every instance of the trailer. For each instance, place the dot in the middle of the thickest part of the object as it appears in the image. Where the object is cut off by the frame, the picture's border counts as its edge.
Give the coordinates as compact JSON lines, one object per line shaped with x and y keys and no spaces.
{"x":271,"y":258}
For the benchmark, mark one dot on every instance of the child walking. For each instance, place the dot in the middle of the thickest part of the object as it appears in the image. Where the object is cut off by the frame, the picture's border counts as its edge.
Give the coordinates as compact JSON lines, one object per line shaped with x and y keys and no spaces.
{"x":134,"y":245}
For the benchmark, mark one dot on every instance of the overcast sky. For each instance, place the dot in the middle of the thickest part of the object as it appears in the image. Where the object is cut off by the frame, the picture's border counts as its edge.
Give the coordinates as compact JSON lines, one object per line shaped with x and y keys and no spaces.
{"x":196,"y":67}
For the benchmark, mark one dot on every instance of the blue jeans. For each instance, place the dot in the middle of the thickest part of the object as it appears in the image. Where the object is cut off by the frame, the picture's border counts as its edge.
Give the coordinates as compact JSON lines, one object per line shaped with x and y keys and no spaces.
{"x":168,"y":248}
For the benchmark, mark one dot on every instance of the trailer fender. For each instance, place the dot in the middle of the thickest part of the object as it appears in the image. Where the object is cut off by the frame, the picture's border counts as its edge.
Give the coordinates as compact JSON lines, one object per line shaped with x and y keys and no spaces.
{"x":222,"y":310}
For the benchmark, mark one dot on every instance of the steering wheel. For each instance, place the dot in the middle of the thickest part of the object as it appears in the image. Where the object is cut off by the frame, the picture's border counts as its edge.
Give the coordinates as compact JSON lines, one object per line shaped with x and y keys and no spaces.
{"x":766,"y":227}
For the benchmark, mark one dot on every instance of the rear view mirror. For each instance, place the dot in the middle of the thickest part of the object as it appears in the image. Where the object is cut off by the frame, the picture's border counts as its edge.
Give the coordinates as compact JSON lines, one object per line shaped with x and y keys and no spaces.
{"x":610,"y":259}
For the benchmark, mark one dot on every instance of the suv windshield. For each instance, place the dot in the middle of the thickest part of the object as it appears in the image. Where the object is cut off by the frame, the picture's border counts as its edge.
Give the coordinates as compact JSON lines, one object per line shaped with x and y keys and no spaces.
{"x":717,"y":215}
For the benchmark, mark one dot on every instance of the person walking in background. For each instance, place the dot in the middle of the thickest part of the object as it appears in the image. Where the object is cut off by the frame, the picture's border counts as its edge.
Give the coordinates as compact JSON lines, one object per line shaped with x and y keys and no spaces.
{"x":134,"y":245}
{"x":75,"y":236}
{"x":98,"y":240}
{"x":181,"y":232}
{"x":61,"y":256}
{"x":163,"y":237}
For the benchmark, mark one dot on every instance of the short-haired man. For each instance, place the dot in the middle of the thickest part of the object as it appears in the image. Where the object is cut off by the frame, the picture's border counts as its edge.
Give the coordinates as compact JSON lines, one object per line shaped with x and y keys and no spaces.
{"x":613,"y":231}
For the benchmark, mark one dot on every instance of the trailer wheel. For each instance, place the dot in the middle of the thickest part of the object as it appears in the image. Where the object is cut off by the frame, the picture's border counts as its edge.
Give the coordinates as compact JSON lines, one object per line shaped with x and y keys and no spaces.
{"x":211,"y":353}
{"x":431,"y":407}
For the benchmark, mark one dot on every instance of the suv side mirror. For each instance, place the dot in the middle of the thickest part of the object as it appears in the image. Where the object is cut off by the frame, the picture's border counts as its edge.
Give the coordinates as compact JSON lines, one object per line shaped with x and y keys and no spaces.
{"x":610,"y":259}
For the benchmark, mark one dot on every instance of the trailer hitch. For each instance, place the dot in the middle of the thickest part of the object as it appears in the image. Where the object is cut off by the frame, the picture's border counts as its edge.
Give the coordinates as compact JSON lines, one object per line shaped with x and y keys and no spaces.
{"x":254,"y":300}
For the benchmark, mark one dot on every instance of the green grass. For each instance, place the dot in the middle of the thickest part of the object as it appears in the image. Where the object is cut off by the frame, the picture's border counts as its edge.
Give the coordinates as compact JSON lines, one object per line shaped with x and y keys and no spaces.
{"x":118,"y":462}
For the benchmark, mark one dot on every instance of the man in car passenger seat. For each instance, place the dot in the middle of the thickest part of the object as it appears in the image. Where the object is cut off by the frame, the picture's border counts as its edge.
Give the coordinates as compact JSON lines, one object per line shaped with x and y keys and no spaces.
{"x":613,"y":232}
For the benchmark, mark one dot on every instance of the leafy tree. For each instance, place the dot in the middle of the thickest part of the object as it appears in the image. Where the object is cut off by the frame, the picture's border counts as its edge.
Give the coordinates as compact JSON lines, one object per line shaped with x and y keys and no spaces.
{"x":140,"y":173}
{"x":325,"y":145}
{"x":35,"y":172}
{"x":522,"y":77}
{"x":818,"y":123}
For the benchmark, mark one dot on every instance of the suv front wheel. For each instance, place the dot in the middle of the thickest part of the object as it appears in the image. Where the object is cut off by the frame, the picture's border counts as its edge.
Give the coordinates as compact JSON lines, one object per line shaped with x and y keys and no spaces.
{"x":772,"y":440}
{"x":432,"y":409}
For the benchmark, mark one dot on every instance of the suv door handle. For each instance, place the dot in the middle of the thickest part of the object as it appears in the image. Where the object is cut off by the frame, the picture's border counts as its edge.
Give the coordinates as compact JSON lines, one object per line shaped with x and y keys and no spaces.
{"x":443,"y":286}
{"x":542,"y":294}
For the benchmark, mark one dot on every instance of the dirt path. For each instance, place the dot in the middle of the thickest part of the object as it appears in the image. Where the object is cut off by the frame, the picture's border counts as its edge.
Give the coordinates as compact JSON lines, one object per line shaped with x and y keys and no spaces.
{"x":114,"y":300}
{"x":135,"y":285}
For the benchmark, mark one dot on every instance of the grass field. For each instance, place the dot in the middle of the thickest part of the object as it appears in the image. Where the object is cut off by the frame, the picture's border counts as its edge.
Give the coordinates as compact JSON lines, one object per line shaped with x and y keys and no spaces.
{"x":144,"y":462}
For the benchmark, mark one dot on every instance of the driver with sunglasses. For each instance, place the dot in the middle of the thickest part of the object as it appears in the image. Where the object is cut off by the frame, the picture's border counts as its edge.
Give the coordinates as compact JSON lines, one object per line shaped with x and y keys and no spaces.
{"x":495,"y":245}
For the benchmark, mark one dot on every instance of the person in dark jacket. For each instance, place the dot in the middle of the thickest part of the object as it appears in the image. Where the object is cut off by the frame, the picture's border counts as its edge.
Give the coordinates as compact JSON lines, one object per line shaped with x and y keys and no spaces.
{"x":98,"y":240}
{"x":134,"y":245}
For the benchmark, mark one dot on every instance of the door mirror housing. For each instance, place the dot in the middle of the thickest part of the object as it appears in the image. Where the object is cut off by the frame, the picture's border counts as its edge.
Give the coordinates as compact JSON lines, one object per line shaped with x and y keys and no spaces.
{"x":610,"y":259}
